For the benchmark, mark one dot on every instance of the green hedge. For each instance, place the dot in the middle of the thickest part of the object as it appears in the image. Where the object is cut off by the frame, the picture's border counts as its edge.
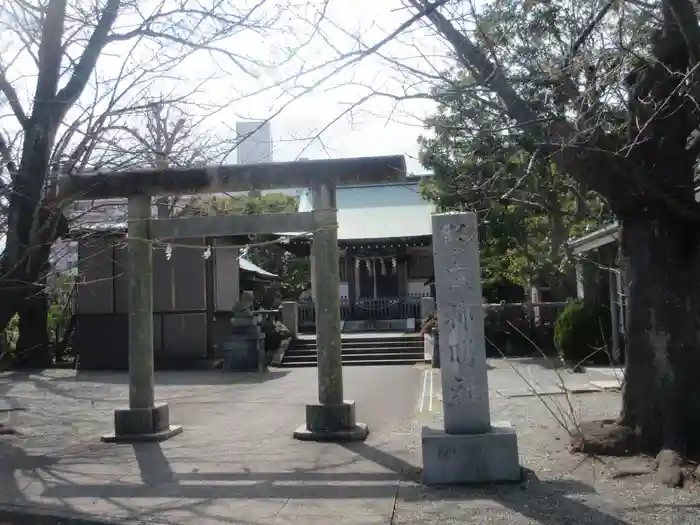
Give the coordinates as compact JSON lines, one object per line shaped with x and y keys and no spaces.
{"x":582,"y":333}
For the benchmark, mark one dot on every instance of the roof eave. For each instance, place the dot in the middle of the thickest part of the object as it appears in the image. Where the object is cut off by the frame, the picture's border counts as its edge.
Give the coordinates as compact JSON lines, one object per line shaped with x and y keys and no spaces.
{"x":596,"y":239}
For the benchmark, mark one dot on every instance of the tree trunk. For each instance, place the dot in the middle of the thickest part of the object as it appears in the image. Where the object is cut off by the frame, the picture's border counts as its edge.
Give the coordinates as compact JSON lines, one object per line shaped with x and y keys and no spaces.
{"x":661,"y":400}
{"x":661,"y":394}
{"x":20,"y":284}
{"x":24,"y":233}
{"x":33,"y":350}
{"x":661,"y":397}
{"x":12,"y":293}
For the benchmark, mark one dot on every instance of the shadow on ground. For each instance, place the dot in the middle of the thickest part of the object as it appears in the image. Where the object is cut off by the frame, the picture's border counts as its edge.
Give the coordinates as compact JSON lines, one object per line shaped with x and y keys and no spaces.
{"x":15,"y":507}
{"x":58,"y":385}
{"x":177,"y":479}
{"x":547,"y":363}
{"x":539,"y":500}
{"x":199,"y":377}
{"x":533,"y":498}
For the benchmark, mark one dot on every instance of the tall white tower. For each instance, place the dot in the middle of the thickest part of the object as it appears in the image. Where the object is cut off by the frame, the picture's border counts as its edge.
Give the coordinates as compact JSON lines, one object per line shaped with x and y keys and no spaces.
{"x":255,"y":142}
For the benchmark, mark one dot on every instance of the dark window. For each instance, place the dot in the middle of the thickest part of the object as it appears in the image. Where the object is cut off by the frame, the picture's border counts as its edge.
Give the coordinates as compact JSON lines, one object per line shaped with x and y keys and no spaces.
{"x":387,"y":281}
{"x":381,"y":281}
{"x":343,"y":269}
{"x":366,"y":284}
{"x":420,"y":266}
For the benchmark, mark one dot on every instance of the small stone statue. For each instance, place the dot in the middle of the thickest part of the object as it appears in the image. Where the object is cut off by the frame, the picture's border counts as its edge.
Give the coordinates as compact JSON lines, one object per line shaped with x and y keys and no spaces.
{"x":244,"y":307}
{"x":245,"y":350}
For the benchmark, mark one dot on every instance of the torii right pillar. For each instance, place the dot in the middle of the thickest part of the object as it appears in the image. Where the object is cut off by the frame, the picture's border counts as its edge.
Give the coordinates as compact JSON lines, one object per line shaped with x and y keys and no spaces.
{"x":470,"y":449}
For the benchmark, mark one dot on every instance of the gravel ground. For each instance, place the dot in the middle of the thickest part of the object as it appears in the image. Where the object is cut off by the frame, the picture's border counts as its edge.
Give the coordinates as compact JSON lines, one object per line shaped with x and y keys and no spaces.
{"x":560,"y":487}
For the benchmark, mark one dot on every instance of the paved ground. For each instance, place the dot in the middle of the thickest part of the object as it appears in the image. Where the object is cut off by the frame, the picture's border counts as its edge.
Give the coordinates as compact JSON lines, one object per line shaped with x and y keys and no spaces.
{"x":236,"y":462}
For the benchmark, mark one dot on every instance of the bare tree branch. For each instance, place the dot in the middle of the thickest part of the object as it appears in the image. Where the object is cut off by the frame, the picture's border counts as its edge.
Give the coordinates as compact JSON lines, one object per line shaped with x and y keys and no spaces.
{"x":12,"y":98}
{"x":67,"y":96}
{"x":474,"y":59}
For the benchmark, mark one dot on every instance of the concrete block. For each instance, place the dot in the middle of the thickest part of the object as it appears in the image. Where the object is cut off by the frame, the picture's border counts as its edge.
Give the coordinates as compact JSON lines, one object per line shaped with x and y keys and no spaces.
{"x":142,"y":424}
{"x":290,"y":317}
{"x":358,"y":433}
{"x":331,"y":423}
{"x":428,"y":347}
{"x":330,"y":417}
{"x":456,"y":459}
{"x":161,"y":417}
{"x":608,"y":385}
{"x":245,"y":352}
{"x":427,"y":307}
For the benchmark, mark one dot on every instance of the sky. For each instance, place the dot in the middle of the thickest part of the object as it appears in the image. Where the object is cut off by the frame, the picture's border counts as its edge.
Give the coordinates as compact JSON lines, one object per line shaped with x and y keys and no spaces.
{"x":315,"y":114}
{"x":378,"y":126}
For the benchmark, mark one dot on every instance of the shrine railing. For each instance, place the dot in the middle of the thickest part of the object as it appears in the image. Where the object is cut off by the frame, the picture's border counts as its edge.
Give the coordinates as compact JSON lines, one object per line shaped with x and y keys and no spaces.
{"x":268,"y":315}
{"x":375,"y":309}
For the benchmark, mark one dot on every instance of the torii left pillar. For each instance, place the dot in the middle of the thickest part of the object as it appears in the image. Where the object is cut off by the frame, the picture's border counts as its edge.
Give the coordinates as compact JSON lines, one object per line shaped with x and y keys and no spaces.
{"x":143,"y":420}
{"x":333,"y":417}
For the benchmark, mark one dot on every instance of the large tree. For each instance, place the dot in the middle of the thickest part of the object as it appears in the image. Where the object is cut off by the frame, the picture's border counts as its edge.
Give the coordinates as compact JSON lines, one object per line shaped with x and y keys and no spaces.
{"x":528,"y":208}
{"x":646,"y":175}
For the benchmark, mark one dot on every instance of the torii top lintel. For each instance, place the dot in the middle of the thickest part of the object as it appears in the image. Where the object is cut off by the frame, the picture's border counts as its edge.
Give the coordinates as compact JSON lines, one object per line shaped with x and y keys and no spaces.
{"x":231,"y":178}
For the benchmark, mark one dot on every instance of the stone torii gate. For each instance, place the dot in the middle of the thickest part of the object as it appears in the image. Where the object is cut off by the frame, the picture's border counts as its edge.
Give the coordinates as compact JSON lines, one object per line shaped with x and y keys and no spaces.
{"x":333,"y":417}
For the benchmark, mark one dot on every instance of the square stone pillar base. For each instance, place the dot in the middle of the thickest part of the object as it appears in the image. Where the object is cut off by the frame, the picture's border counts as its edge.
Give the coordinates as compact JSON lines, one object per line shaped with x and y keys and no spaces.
{"x":459,"y":459}
{"x":331,"y":423}
{"x":133,"y":425}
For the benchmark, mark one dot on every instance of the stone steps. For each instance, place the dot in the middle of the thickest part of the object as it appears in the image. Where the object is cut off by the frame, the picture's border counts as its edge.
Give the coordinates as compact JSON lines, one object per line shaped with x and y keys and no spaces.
{"x":354,"y":344}
{"x":349,"y":352}
{"x":361,"y":351}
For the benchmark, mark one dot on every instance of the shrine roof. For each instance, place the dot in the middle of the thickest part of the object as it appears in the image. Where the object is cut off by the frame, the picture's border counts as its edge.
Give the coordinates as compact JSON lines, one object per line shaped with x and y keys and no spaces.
{"x":249,"y":266}
{"x":592,"y":241}
{"x":382,"y":211}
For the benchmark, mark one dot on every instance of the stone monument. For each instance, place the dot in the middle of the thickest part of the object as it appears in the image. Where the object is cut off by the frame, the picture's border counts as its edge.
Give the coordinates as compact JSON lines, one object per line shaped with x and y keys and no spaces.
{"x":245,"y":352}
{"x":470,"y":449}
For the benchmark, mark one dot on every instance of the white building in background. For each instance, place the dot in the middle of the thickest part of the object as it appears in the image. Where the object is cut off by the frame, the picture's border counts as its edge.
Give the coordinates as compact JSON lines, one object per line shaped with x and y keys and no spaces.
{"x":255,"y":146}
{"x":254,"y":142}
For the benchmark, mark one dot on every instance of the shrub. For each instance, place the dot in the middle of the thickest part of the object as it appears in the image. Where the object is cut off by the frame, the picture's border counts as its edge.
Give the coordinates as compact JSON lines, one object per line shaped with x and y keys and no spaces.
{"x":8,"y":339}
{"x":582,"y":333}
{"x":430,"y":325}
{"x":275,"y":332}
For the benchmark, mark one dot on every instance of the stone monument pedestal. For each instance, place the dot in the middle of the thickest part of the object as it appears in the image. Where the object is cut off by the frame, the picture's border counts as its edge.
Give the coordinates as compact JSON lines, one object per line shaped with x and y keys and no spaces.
{"x":454,"y":459}
{"x":470,"y":449}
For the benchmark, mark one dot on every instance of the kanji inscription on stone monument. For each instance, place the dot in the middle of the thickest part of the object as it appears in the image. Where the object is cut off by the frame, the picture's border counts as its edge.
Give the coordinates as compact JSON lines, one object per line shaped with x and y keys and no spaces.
{"x":479,"y":450}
